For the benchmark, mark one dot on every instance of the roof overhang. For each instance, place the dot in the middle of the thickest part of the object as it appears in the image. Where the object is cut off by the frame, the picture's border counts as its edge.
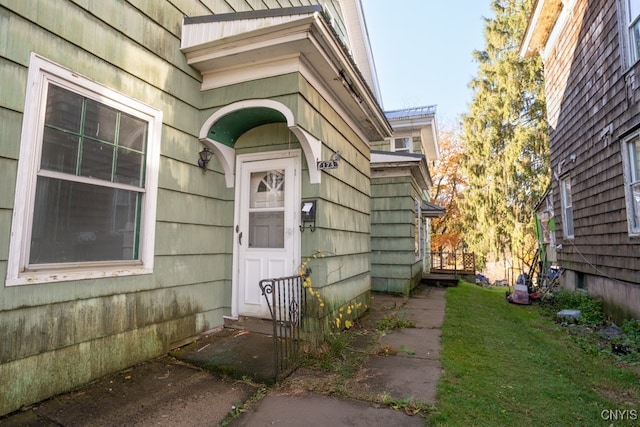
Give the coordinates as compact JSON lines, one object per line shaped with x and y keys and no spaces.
{"x":543,"y":18}
{"x":235,"y":48}
{"x":429,"y":210}
{"x":421,"y":120}
{"x":388,"y":163}
{"x":356,"y":26}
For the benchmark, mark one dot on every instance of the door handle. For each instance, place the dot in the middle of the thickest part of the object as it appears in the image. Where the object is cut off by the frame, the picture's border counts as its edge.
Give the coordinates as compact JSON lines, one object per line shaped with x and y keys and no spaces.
{"x":240,"y":238}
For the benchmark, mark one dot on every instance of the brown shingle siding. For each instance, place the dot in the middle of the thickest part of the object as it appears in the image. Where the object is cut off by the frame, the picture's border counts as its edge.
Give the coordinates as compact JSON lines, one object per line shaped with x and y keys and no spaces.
{"x":586,"y":91}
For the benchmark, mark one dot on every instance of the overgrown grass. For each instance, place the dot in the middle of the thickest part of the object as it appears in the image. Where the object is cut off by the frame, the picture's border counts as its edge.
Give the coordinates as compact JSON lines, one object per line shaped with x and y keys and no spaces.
{"x":395,"y":320}
{"x":337,"y":354}
{"x":507,"y":364}
{"x":590,"y":308}
{"x":594,"y":333}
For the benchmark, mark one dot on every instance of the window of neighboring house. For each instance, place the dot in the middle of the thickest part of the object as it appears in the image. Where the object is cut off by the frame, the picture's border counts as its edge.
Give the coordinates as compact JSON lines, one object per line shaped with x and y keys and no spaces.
{"x":401,"y":144}
{"x":631,"y":13}
{"x":427,"y":245}
{"x":567,"y":207}
{"x":87,"y":178}
{"x":631,"y":156}
{"x":418,"y":230}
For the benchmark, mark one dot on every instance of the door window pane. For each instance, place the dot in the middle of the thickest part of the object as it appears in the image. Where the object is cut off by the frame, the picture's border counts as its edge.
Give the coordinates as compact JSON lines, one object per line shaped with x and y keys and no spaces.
{"x":267,"y":189}
{"x":266,"y":229}
{"x":266,"y":209}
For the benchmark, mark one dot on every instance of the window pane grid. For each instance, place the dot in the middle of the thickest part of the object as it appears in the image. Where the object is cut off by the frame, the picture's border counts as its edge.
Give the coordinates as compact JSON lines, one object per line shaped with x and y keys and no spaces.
{"x":633,"y":179}
{"x":634,"y":10}
{"x":567,"y":207}
{"x":634,"y":160}
{"x":90,"y":187}
{"x":88,"y":130}
{"x":633,"y":22}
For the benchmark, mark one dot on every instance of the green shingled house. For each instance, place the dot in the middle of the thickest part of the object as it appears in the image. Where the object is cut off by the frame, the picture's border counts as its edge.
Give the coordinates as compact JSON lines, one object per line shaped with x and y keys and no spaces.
{"x":400,"y":206}
{"x":157,"y":158}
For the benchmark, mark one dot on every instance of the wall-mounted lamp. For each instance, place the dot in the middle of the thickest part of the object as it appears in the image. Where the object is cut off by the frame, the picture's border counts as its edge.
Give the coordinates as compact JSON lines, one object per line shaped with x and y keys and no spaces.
{"x":205,"y":156}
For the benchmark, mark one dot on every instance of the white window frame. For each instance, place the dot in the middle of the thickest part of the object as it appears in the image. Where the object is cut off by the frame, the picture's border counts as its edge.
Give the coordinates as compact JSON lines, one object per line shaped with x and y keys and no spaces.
{"x":41,"y":73}
{"x":566,"y":199}
{"x":631,"y":181}
{"x":627,"y":21}
{"x":418,"y":230}
{"x":408,"y":149}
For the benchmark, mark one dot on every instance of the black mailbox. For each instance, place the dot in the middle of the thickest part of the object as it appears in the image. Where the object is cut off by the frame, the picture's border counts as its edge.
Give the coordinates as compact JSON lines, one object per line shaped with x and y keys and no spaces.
{"x":308,"y":214}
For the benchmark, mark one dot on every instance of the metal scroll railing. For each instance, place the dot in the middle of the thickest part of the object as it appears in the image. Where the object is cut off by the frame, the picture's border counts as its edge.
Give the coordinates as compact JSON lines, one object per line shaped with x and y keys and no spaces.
{"x":286,"y":298}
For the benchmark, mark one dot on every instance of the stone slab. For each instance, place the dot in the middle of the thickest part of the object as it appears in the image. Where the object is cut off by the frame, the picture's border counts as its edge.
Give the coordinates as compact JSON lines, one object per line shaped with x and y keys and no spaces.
{"x":312,"y":410}
{"x":414,"y":342}
{"x":404,"y":377}
{"x":425,"y":318}
{"x":235,"y":353}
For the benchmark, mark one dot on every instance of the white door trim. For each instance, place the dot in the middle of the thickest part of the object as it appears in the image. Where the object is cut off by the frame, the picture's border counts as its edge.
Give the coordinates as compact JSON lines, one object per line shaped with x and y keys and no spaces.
{"x":295,"y":255}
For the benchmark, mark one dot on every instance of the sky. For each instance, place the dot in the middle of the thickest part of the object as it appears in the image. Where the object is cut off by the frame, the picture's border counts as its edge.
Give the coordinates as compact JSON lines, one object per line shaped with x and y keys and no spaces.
{"x":423,"y":51}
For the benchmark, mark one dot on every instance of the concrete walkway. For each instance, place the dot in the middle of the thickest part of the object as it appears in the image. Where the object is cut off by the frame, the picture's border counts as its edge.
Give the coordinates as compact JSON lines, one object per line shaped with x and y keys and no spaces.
{"x":171,"y":392}
{"x":410,"y":369}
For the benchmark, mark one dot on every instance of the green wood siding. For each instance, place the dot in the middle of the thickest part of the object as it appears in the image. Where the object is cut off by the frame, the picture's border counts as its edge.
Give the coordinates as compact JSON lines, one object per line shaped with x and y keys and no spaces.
{"x":59,"y":335}
{"x":394,"y":267}
{"x":381,"y":146}
{"x":104,"y":325}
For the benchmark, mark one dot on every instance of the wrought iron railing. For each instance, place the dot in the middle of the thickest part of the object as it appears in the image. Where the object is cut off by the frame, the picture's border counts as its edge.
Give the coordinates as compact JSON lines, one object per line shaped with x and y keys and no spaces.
{"x":287,"y":301}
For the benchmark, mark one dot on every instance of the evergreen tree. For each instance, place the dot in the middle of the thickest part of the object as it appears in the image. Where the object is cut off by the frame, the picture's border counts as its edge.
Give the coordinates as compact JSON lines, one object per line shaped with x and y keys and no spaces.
{"x":505,"y":134}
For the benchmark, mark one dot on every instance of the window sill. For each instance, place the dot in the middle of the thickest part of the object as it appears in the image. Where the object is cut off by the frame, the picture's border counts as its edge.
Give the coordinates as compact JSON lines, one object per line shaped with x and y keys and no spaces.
{"x":67,"y":275}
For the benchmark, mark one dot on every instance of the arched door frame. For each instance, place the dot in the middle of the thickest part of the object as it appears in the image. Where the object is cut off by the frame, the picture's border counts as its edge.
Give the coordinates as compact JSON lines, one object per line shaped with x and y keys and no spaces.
{"x":311,"y":146}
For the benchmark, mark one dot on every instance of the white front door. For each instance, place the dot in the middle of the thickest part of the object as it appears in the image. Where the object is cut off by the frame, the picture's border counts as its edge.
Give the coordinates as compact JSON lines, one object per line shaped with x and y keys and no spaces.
{"x":267,"y":238}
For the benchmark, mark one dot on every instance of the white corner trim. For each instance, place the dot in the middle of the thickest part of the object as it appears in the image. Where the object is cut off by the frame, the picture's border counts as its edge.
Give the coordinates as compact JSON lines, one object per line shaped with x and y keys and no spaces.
{"x":312,"y":149}
{"x":226,"y":156}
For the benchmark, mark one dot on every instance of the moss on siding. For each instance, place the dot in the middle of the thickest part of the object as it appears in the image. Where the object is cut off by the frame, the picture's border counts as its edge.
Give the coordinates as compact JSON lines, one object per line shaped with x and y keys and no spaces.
{"x":52,"y":372}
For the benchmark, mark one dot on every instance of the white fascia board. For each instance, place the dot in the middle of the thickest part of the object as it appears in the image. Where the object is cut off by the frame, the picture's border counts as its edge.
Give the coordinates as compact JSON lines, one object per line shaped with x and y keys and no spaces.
{"x":541,"y":24}
{"x":394,"y":158}
{"x":356,"y":25}
{"x":271,"y":51}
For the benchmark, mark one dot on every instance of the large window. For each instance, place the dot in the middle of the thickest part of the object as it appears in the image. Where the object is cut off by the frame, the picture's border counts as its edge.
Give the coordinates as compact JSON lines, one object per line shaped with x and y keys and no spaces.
{"x":631,"y":155}
{"x":87,"y":178}
{"x":567,"y":207}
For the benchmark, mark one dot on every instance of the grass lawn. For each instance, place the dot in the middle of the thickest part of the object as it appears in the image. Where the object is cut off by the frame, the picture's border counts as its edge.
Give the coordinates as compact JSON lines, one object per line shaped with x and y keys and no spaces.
{"x":510,"y":365}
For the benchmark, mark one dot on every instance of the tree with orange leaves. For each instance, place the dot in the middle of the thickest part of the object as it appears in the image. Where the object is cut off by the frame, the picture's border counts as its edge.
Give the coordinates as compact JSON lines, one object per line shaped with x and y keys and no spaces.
{"x":447,"y":190}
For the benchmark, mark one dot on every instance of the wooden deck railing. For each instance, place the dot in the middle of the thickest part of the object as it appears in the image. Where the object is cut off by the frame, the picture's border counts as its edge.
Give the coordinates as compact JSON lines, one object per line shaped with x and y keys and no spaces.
{"x":456,"y":262}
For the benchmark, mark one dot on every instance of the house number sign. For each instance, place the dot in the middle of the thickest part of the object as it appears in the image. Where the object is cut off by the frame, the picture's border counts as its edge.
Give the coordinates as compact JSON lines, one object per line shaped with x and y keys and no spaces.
{"x":332,"y":163}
